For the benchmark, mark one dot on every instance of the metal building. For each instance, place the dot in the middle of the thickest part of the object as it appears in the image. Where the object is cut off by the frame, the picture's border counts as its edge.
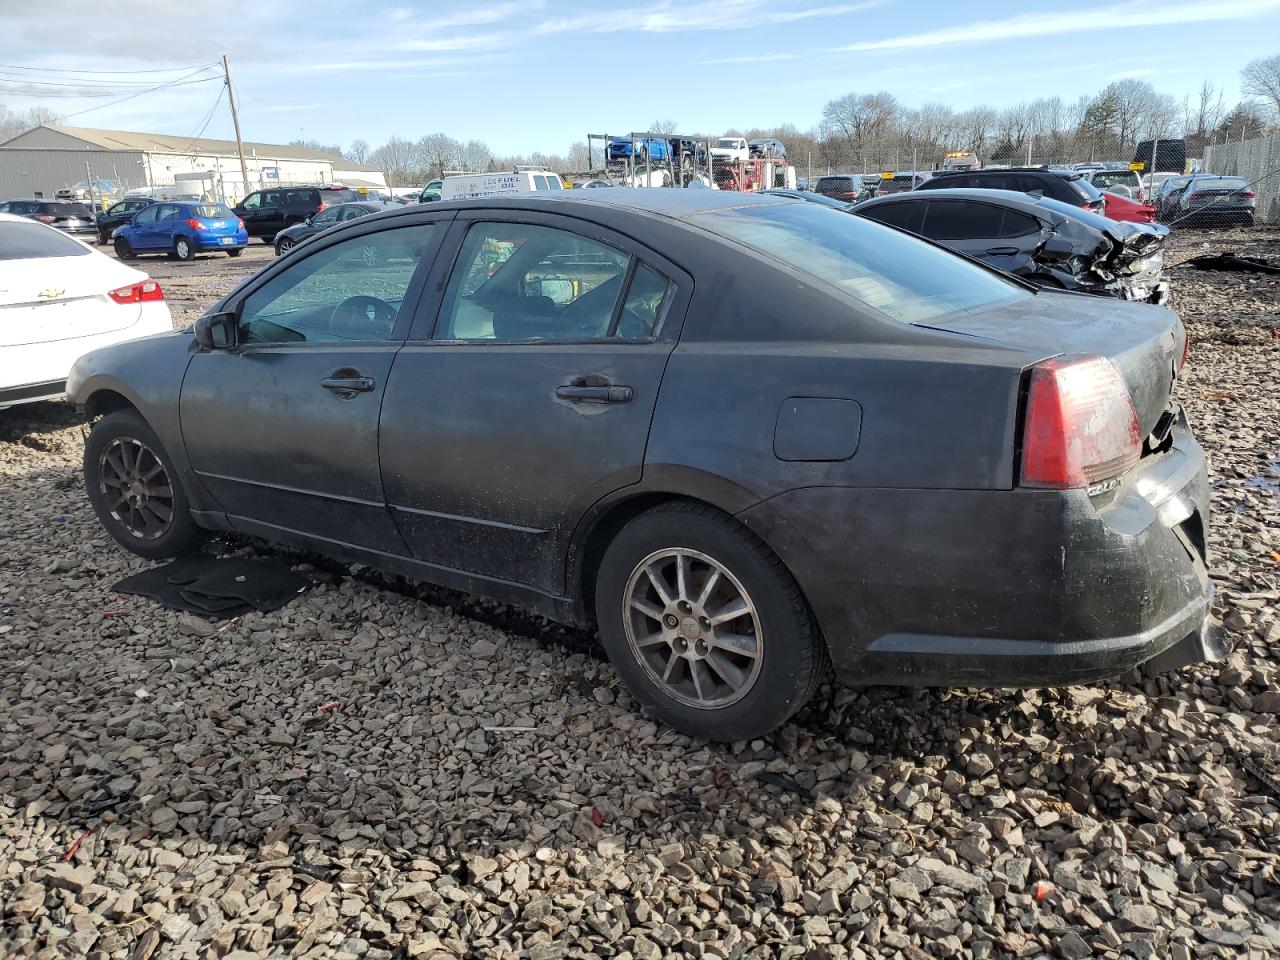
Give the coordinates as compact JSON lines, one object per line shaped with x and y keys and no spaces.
{"x":47,"y":158}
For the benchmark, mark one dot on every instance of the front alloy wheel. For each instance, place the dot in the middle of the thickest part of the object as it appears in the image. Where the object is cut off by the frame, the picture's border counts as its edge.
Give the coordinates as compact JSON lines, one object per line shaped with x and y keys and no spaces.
{"x":693,"y":628}
{"x":136,"y":488}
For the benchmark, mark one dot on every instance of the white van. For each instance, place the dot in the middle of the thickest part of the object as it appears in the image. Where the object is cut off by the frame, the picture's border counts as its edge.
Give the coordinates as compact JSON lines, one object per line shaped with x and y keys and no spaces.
{"x":471,"y":185}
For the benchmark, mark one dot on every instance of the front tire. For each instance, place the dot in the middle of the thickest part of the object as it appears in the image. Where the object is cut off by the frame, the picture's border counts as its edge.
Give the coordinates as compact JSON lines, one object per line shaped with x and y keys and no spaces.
{"x":283,"y":246}
{"x":183,"y":249}
{"x":134,"y":488}
{"x":123,"y":250}
{"x":705,"y":625}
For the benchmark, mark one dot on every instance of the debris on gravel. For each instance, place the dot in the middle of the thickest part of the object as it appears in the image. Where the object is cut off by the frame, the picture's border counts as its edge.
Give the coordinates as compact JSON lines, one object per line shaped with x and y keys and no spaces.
{"x":377,"y":771}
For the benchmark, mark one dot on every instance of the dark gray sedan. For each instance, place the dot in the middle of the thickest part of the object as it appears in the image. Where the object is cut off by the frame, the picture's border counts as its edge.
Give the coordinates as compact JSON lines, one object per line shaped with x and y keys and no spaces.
{"x":290,"y":237}
{"x":749,"y":437}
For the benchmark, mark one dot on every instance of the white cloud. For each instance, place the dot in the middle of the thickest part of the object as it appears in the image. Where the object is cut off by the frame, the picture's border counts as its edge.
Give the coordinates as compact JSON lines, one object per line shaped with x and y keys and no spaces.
{"x":668,"y":17}
{"x":477,"y":41}
{"x":475,"y":16}
{"x":1124,"y":16}
{"x":755,"y":58}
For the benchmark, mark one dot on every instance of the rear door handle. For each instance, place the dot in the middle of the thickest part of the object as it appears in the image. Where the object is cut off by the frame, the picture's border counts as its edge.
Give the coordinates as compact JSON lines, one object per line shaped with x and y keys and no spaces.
{"x":349,"y":385}
{"x":580,"y":394}
{"x":1002,"y":251}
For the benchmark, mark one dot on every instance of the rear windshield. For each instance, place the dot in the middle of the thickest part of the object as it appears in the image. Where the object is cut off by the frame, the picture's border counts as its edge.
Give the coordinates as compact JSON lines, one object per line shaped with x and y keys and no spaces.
{"x":1079,"y":214}
{"x":1222,"y":183}
{"x":1084,"y":188}
{"x":1111,"y":178}
{"x":24,"y":240}
{"x":24,"y":208}
{"x":836,"y":183}
{"x":898,"y":275}
{"x":212,"y":211}
{"x":73,"y":209}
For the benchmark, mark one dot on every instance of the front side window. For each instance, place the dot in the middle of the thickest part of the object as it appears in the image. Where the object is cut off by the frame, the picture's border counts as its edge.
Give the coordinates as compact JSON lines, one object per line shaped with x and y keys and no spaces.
{"x":351,"y":291}
{"x":252,"y":202}
{"x":524,"y":283}
{"x":899,"y":276}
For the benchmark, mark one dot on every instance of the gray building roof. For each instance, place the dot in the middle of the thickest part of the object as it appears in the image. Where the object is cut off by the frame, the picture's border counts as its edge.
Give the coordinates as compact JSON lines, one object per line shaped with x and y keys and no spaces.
{"x":91,"y":137}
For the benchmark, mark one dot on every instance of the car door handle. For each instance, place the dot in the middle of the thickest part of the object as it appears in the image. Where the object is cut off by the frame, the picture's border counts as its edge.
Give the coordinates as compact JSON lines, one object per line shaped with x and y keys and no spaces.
{"x":581,"y":394}
{"x":1001,"y":251}
{"x":348,"y":385}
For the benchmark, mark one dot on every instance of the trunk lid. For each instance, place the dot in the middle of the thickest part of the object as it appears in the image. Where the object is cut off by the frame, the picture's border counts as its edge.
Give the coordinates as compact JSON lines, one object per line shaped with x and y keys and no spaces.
{"x":49,"y":299}
{"x":1142,"y":341}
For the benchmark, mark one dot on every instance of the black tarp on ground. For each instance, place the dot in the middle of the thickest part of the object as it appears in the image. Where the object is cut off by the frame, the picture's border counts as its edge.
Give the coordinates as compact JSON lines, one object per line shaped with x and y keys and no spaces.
{"x":215,"y":587}
{"x":1232,"y":262}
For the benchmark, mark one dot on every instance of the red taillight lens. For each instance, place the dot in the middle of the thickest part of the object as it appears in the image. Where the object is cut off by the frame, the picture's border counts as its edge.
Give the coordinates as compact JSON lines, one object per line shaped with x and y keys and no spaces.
{"x":319,"y":208}
{"x":1080,"y":425}
{"x":43,"y":218}
{"x":1248,"y":194}
{"x":143,"y":292}
{"x":1186,"y":351}
{"x":850,"y":195}
{"x":240,"y":224}
{"x":195,"y":224}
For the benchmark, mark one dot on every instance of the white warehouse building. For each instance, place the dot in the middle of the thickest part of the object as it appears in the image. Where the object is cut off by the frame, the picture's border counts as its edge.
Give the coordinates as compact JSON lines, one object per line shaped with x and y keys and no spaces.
{"x":47,"y":158}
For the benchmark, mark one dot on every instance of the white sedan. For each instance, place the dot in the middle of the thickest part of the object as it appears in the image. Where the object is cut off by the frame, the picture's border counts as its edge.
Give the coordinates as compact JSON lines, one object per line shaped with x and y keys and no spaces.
{"x":59,"y":299}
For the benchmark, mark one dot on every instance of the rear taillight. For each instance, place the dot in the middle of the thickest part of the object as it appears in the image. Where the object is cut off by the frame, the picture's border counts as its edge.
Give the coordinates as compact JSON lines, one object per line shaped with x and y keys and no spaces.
{"x":1186,"y":351}
{"x":240,"y":224}
{"x":851,"y":195}
{"x":319,"y":208}
{"x":1080,"y":426}
{"x":43,"y":218}
{"x":195,"y":224}
{"x":1196,"y":196}
{"x":144,"y":291}
{"x":1247,"y":194}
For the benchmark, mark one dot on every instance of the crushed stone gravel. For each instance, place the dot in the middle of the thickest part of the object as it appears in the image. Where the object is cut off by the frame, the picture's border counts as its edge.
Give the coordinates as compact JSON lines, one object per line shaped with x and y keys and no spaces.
{"x":382,"y":771}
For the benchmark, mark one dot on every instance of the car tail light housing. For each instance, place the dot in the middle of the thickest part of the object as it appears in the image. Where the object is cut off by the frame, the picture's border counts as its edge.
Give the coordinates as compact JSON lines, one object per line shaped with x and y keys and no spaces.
{"x":1247,"y":194}
{"x":240,"y":223}
{"x":1080,"y":427}
{"x":144,"y":291}
{"x":43,"y":218}
{"x":320,"y":207}
{"x":195,"y":224}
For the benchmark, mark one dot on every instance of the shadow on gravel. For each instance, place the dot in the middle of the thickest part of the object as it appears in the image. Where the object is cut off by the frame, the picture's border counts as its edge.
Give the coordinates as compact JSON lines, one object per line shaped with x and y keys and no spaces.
{"x":29,"y":423}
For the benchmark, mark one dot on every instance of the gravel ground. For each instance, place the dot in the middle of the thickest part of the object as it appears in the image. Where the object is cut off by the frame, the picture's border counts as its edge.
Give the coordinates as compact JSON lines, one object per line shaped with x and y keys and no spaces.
{"x":376,"y":771}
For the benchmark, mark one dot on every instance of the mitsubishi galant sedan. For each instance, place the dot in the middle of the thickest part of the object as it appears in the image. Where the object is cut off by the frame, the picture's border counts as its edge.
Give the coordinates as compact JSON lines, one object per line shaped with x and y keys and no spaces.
{"x":749,"y":437}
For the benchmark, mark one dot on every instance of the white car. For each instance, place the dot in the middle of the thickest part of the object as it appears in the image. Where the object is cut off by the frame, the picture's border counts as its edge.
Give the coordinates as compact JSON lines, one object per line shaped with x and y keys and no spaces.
{"x":731,"y":148}
{"x":59,"y":299}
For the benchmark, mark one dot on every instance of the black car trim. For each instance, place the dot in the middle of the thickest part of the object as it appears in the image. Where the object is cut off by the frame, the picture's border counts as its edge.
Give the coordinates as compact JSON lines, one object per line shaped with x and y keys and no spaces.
{"x":439,"y":515}
{"x":33,"y":391}
{"x":288,"y":489}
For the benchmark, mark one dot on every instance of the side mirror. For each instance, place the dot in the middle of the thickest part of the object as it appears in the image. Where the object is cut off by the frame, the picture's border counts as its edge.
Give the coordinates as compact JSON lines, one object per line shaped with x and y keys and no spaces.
{"x":216,"y":331}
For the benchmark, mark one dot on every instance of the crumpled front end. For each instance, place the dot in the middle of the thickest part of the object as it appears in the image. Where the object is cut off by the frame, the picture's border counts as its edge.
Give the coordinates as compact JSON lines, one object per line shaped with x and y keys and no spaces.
{"x":1125,"y":261}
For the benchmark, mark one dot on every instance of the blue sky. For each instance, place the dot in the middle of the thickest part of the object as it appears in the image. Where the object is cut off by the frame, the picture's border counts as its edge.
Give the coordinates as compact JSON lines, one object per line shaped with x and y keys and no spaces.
{"x":536,"y":75}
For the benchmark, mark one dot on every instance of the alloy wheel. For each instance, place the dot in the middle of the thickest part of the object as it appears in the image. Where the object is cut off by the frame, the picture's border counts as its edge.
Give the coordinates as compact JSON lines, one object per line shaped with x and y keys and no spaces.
{"x":693,"y":628}
{"x":182,"y":248}
{"x":136,"y":488}
{"x":285,"y":246}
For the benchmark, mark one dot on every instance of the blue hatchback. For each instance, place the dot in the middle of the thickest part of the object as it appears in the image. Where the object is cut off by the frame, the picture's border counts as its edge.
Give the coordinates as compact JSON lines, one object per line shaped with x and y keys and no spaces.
{"x":181,"y":229}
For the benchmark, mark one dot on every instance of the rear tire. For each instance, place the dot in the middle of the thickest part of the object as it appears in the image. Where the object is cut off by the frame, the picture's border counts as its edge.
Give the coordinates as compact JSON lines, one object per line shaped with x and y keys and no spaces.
{"x":123,"y":250}
{"x":236,"y":252}
{"x":134,"y":488}
{"x":729,"y":661}
{"x":183,"y":249}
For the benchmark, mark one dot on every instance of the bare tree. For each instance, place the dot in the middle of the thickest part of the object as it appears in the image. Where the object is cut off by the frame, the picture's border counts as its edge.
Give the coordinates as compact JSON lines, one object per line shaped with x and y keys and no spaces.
{"x":664,"y":128}
{"x":1261,"y":78}
{"x":358,"y":151}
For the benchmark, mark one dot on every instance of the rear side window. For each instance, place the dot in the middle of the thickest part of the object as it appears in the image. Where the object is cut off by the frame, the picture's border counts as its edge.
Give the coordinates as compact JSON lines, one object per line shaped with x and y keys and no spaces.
{"x":899,"y":276}
{"x":553,"y":183}
{"x":1017,"y":224}
{"x":962,"y":220}
{"x":539,"y":182}
{"x":24,"y":240}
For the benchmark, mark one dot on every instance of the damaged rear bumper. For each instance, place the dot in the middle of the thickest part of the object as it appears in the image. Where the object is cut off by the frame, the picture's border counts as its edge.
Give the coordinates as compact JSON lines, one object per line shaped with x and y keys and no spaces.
{"x":1006,"y":588}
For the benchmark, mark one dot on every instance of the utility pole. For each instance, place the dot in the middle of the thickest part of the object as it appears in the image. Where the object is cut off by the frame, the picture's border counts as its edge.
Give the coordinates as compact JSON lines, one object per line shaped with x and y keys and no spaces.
{"x":235,"y":119}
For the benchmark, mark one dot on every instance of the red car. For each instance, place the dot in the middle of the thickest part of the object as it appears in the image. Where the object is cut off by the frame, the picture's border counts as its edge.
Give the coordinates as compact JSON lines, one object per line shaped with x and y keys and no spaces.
{"x":1116,"y":207}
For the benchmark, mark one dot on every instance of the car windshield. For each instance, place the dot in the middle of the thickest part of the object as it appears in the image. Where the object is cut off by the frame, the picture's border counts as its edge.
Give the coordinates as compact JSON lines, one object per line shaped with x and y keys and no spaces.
{"x":212,"y":211}
{"x":900,"y":276}
{"x":726,"y":142}
{"x":24,"y":240}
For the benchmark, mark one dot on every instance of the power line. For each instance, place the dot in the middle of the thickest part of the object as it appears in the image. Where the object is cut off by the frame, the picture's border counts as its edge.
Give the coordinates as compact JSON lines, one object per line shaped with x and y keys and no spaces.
{"x":14,"y":66}
{"x":83,"y":95}
{"x":181,"y":81}
{"x":69,"y":82}
{"x":208,"y":118}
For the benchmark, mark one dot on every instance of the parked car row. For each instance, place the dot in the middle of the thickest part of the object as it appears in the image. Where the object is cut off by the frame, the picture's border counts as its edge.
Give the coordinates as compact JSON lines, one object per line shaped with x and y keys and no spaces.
{"x":737,"y":502}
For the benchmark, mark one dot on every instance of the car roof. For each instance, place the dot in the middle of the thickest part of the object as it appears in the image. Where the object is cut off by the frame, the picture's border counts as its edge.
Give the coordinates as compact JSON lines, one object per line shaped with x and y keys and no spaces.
{"x":677,"y":204}
{"x":1007,"y":198}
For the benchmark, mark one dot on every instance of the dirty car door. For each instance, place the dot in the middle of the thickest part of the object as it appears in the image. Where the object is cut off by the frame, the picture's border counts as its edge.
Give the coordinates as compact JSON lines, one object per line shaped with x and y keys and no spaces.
{"x":283,"y":429}
{"x":530,"y":396}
